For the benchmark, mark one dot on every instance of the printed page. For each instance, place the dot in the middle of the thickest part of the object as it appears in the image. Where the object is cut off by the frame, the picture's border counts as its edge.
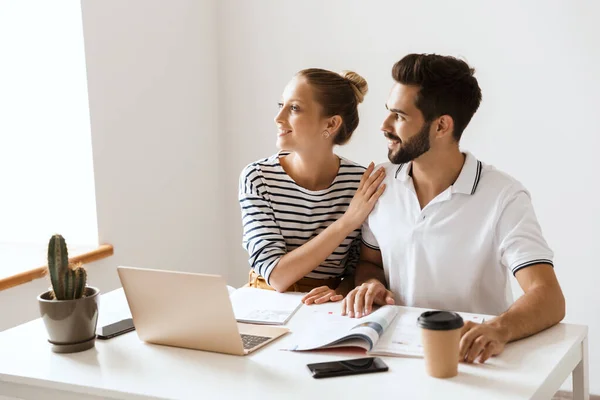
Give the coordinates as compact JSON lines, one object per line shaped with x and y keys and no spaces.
{"x":404,"y":336}
{"x":374,"y":325}
{"x":328,"y":331}
{"x":267,"y":307}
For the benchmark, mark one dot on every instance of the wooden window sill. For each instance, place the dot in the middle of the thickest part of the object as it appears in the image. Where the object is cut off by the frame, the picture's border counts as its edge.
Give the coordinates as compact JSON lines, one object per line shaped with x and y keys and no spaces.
{"x":86,"y":257}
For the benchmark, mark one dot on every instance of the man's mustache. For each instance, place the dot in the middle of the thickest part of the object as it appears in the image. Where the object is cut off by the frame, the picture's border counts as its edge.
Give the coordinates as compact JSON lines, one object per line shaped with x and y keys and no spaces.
{"x":391,"y":136}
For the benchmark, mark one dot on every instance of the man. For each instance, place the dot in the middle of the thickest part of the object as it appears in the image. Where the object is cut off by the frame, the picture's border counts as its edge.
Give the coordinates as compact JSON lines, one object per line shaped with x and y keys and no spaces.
{"x":449,"y":229}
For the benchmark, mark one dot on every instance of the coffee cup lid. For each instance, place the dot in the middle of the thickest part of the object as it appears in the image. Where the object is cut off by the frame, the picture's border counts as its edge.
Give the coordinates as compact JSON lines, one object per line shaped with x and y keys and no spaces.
{"x":440,"y":320}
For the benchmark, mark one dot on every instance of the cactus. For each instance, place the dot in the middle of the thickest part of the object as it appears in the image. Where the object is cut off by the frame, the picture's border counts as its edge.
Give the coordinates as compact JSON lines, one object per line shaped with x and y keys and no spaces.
{"x":68,"y":281}
{"x":80,"y":277}
{"x":58,"y":265}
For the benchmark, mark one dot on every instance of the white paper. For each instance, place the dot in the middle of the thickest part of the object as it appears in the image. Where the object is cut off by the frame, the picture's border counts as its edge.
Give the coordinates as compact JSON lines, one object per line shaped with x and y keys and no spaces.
{"x":230,"y":290}
{"x":261,"y":306}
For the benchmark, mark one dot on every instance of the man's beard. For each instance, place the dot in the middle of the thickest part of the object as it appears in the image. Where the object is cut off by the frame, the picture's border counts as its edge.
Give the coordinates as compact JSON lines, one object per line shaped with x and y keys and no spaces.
{"x":413,"y":148}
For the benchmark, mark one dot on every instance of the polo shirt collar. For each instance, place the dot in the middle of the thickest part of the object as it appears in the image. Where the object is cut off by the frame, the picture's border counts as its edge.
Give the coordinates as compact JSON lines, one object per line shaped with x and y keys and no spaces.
{"x":403,"y":171}
{"x":469,"y":176}
{"x":467,"y":180}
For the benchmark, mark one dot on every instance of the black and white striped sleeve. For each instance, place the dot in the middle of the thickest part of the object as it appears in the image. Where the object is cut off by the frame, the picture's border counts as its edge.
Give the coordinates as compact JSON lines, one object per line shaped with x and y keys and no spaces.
{"x":519,"y":235}
{"x":262,"y":236}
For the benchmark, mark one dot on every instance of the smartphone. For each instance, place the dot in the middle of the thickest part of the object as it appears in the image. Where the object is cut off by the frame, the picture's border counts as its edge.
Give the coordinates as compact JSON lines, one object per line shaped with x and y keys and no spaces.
{"x":347,"y":367}
{"x":116,"y":329}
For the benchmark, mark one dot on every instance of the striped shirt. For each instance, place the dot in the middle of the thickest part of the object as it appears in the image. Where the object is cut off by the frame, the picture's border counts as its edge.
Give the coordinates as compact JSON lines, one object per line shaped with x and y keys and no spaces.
{"x":278,"y":215}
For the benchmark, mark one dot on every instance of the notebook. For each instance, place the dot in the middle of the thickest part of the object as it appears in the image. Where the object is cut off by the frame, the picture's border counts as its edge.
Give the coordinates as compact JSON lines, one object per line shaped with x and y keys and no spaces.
{"x":265,"y":307}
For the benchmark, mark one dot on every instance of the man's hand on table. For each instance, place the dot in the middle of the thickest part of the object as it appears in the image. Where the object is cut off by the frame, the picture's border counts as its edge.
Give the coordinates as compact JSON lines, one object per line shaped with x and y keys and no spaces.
{"x":481,"y":341}
{"x":359,"y":302}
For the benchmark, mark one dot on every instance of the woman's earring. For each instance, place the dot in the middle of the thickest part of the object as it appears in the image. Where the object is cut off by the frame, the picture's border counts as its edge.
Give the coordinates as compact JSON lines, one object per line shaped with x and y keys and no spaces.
{"x":326,"y":134}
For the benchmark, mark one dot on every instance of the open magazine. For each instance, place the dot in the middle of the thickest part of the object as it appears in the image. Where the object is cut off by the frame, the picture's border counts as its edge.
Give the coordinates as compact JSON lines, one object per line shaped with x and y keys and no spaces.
{"x":338,"y":331}
{"x":390,"y":331}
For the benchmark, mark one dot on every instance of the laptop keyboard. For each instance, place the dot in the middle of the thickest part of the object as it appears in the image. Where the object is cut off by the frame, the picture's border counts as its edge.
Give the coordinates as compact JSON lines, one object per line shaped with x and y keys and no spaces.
{"x":251,"y":341}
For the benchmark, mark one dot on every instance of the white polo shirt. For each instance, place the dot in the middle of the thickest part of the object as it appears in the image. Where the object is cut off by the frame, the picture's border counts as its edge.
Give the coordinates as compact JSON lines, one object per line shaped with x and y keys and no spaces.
{"x":459,"y":251}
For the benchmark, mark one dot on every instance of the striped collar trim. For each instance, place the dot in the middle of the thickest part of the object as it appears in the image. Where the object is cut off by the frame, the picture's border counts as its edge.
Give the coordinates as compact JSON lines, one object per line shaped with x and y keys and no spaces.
{"x":467,"y":181}
{"x":469,"y":176}
{"x":402,"y":178}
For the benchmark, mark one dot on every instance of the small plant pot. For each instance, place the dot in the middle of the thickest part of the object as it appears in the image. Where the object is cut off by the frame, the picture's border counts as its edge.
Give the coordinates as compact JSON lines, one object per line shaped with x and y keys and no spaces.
{"x":71,"y":324}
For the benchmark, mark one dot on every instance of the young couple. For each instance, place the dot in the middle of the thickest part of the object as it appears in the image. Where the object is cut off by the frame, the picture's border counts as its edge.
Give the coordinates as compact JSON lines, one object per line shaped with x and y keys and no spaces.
{"x":434,"y":228}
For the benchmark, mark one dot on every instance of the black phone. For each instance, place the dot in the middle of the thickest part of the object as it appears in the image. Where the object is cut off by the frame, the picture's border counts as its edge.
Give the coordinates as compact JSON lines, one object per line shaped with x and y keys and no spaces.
{"x":116,"y":329}
{"x":347,"y":367}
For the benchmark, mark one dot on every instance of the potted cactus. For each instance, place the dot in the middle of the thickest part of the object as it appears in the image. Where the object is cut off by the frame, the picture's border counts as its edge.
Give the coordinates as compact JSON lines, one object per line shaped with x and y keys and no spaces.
{"x":69,"y":308}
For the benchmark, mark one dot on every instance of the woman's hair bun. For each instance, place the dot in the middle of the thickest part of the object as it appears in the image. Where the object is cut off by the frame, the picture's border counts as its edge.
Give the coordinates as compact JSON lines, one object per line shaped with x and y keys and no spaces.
{"x":358,"y":83}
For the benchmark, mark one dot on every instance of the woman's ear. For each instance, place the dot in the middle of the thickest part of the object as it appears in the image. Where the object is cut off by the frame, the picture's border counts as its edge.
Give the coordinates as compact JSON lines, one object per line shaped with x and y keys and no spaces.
{"x":333,"y":124}
{"x":444,"y":126}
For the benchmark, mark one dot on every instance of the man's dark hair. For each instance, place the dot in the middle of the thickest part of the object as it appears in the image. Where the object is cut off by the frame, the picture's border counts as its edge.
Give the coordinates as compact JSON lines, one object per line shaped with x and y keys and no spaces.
{"x":447,"y":87}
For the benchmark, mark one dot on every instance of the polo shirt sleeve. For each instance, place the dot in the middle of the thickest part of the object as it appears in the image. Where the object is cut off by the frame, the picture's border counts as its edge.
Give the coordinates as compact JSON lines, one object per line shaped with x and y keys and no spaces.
{"x":519,"y":235}
{"x":368,"y":238}
{"x":262,"y":236}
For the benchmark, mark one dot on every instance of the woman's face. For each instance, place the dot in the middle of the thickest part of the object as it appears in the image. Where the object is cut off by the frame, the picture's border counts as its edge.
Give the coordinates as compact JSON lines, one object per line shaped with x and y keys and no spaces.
{"x":300,"y":125}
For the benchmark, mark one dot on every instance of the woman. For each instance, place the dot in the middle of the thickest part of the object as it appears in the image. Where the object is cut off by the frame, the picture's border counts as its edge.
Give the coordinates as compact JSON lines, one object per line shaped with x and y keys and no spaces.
{"x":303,"y":207}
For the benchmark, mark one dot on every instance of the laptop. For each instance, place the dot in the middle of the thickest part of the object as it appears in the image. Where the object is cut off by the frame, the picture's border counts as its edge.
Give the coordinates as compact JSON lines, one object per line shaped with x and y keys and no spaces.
{"x":189,"y":310}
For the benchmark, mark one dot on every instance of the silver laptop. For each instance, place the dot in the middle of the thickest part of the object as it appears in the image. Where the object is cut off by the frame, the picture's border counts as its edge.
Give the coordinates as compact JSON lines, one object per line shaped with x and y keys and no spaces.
{"x":189,"y":310}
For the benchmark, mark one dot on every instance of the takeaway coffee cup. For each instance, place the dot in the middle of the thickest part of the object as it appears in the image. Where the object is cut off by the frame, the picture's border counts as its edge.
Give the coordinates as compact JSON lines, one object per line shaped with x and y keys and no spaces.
{"x":440,"y":336}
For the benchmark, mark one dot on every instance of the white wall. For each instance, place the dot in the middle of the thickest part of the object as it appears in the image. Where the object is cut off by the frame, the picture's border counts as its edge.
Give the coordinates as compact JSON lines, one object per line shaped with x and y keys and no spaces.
{"x":152,"y":75}
{"x":537,"y":64}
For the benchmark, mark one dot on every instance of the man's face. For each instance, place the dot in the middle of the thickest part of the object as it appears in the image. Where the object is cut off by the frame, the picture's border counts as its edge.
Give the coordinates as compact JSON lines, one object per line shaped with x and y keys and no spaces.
{"x":404,"y":127}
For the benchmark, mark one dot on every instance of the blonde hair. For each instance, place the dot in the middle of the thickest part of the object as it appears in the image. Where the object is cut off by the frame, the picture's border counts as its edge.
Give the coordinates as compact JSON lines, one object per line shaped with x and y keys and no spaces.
{"x":359,"y":84}
{"x":338,"y":94}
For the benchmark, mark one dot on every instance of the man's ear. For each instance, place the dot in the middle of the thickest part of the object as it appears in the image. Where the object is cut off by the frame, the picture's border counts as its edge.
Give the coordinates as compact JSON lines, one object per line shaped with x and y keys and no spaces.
{"x":333,"y":124}
{"x":444,"y":126}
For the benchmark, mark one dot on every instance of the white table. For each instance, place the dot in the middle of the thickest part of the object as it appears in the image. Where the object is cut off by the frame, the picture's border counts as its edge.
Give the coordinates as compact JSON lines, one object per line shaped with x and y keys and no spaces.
{"x":125,"y":368}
